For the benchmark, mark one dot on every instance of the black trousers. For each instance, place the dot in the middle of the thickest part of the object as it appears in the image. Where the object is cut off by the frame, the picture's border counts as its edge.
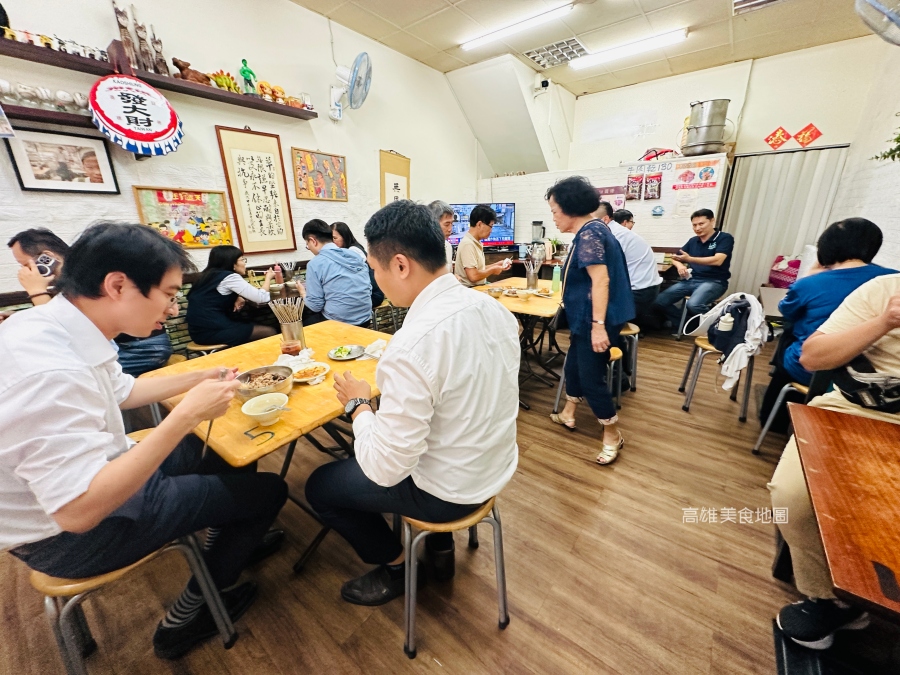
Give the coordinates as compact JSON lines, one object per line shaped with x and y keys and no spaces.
{"x":349,"y":502}
{"x":185,"y":495}
{"x":586,"y":373}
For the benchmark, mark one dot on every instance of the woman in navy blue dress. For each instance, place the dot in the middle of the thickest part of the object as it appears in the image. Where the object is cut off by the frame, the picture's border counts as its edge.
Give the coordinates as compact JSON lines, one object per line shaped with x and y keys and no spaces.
{"x":597,"y":301}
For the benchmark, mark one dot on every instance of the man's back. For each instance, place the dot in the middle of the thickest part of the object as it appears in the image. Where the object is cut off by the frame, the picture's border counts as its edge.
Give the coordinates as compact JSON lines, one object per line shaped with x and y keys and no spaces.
{"x":639,"y":257}
{"x":338,"y":285}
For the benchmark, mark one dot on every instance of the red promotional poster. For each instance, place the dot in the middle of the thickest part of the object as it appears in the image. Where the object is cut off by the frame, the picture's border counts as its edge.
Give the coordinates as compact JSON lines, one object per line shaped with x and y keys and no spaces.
{"x":696,"y":175}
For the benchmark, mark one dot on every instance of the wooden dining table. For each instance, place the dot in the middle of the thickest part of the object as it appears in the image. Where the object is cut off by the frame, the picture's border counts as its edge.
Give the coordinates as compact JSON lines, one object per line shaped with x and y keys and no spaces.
{"x":852,"y":469}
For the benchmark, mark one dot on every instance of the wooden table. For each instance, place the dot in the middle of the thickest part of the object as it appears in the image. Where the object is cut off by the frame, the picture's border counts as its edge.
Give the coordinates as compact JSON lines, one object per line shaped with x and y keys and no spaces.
{"x":235,"y":437}
{"x":852,"y":468}
{"x":545,"y":308}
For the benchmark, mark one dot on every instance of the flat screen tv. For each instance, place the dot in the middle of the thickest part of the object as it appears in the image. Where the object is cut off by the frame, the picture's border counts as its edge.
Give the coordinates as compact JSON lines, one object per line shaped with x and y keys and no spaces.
{"x":504,"y":232}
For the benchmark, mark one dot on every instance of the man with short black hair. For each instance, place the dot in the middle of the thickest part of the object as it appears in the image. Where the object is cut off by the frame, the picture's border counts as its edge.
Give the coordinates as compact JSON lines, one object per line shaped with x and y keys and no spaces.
{"x":704,"y":266}
{"x":625,"y":218}
{"x":604,"y":213}
{"x":444,"y":438}
{"x":77,"y":499}
{"x":470,"y":266}
{"x":337,"y":280}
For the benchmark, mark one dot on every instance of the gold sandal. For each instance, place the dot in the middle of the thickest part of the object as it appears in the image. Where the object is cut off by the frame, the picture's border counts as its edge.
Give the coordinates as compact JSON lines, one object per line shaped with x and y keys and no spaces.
{"x":556,"y":418}
{"x":609,"y":453}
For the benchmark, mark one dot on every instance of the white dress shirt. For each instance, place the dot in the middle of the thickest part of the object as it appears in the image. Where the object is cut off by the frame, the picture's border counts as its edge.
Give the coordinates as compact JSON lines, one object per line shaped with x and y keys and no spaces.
{"x":448,"y":251}
{"x":639,"y":258}
{"x":60,"y":423}
{"x":235,"y":283}
{"x":449,"y":382}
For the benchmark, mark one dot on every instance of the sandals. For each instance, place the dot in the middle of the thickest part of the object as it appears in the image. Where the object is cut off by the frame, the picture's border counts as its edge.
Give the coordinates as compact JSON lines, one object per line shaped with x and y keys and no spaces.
{"x":609,"y":453}
{"x":556,"y":418}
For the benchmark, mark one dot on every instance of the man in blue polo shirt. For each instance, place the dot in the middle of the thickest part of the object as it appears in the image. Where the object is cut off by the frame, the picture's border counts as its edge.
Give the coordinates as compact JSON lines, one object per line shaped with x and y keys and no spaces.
{"x":704,"y":265}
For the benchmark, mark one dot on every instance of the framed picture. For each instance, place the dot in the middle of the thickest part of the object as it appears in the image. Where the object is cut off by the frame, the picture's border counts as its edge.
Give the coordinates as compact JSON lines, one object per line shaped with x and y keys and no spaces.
{"x":193,"y":218}
{"x":394,"y":176}
{"x":318,"y":175}
{"x":54,"y":162}
{"x":257,"y":189}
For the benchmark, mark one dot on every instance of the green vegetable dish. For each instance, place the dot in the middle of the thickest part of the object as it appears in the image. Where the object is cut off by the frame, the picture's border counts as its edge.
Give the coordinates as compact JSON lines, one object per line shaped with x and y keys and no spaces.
{"x":342,"y":351}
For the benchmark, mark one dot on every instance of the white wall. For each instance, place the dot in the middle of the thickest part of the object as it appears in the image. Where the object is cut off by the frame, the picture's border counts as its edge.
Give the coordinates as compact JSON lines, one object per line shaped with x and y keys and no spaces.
{"x":410,"y":109}
{"x":868,"y":187}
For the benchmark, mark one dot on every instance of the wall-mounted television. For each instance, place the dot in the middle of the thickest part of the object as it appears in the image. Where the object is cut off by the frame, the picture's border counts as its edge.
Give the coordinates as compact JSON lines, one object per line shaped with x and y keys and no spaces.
{"x":504,"y":232}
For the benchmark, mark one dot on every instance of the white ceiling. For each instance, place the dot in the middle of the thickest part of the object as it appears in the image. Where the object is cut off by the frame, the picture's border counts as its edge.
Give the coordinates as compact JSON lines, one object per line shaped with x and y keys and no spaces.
{"x":430,"y":31}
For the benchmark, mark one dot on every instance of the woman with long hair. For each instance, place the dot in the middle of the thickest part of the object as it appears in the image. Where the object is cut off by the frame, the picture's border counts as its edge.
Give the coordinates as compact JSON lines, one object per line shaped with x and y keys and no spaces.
{"x":217,"y":296}
{"x":343,"y":238}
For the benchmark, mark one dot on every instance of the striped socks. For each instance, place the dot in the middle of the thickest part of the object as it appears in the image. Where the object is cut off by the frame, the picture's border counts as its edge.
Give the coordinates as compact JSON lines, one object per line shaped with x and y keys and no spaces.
{"x":184,"y":609}
{"x":212,"y":533}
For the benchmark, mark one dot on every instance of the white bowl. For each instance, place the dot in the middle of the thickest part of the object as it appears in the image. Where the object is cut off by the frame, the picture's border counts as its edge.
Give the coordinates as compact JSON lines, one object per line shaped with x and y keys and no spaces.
{"x":255,"y":406}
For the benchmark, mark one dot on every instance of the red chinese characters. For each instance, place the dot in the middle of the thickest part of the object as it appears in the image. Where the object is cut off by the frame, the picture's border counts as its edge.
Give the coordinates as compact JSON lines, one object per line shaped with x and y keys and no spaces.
{"x":778,"y":138}
{"x":807,"y":135}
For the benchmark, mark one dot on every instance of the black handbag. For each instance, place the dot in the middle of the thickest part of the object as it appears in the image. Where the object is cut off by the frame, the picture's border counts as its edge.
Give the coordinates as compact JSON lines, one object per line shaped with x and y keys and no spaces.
{"x":860,"y":384}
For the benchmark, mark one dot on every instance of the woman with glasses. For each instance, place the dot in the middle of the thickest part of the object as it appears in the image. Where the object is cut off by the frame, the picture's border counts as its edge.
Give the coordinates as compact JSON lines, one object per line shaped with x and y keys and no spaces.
{"x":217,"y":296}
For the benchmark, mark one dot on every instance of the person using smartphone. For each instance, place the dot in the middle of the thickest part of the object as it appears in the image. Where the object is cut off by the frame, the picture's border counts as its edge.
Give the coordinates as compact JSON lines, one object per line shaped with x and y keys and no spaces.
{"x":40,"y":253}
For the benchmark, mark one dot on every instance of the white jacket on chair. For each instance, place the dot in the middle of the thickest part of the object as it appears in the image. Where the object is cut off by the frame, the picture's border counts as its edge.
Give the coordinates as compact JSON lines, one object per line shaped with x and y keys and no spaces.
{"x":757,"y":334}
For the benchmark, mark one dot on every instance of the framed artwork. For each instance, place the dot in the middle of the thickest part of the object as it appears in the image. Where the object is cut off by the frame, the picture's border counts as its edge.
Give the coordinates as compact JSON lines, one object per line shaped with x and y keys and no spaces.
{"x":318,"y":175}
{"x":193,"y":218}
{"x":257,"y":189}
{"x":394,"y":176}
{"x":53,"y":162}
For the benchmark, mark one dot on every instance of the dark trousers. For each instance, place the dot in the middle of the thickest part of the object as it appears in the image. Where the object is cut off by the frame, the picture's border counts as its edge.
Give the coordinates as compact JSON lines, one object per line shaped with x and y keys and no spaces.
{"x":185,"y":495}
{"x":586,"y":373}
{"x":349,"y":502}
{"x":643,"y":299}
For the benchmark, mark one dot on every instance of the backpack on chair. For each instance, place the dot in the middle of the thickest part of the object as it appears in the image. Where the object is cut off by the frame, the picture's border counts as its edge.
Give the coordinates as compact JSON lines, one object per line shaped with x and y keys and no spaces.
{"x":730,"y":329}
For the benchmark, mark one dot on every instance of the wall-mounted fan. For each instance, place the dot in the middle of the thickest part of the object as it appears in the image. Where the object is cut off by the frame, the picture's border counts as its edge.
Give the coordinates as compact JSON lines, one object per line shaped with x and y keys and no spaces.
{"x":356,"y":81}
{"x":882,"y":16}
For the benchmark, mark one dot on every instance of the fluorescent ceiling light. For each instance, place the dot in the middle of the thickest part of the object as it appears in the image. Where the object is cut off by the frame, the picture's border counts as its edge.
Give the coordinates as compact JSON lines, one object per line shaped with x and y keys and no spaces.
{"x":655,"y":42}
{"x":517,"y":27}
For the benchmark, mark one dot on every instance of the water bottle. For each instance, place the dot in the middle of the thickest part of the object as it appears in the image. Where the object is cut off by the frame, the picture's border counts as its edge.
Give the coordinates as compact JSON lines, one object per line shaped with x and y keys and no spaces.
{"x":726,"y":323}
{"x":554,"y":285}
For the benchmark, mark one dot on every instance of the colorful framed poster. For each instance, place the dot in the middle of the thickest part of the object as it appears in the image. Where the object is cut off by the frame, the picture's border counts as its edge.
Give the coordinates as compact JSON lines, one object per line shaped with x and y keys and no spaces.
{"x":394,"y":176}
{"x":193,"y":218}
{"x":318,"y":175}
{"x":52,"y":162}
{"x":257,"y":189}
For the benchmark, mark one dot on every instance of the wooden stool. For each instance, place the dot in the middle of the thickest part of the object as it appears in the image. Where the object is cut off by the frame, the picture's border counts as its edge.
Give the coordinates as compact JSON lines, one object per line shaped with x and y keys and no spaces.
{"x":176,"y":358}
{"x":615,"y":357}
{"x":631,"y":333}
{"x":704,"y":348}
{"x":63,"y":598}
{"x":487,"y":513}
{"x":204,"y":350}
{"x":793,"y":386}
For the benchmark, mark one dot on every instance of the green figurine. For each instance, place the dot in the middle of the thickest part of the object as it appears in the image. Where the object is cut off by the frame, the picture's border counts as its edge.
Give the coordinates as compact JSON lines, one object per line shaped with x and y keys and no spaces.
{"x":249,"y":78}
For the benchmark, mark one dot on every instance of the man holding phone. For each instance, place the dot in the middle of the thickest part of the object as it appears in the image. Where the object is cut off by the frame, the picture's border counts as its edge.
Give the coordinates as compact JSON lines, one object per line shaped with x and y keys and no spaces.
{"x":40,"y":253}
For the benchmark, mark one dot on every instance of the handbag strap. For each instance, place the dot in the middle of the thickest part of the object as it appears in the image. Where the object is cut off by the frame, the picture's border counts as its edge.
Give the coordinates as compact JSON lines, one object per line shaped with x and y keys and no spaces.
{"x":562,"y":291}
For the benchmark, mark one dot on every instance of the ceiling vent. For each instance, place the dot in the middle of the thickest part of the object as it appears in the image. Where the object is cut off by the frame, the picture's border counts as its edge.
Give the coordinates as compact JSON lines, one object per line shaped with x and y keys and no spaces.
{"x":557,"y":53}
{"x":744,"y":6}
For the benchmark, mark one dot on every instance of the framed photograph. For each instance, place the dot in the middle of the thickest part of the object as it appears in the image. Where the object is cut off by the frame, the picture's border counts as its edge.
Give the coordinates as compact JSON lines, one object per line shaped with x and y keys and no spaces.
{"x":257,"y":189}
{"x":54,"y":162}
{"x":318,"y":175}
{"x":193,"y":218}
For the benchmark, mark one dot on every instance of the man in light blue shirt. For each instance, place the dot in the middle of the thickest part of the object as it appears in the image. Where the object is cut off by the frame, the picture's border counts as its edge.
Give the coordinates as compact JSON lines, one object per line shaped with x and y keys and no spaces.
{"x":337,"y":280}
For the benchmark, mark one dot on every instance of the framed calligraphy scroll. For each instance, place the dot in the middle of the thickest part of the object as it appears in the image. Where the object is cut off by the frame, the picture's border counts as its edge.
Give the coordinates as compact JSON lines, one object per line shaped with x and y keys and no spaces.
{"x":257,"y":188}
{"x":394,"y":177}
{"x":193,"y":218}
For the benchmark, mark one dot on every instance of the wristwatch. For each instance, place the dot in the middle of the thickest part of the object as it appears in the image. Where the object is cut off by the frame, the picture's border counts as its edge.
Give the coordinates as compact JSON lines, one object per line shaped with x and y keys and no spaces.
{"x":602,"y":323}
{"x":354,"y":403}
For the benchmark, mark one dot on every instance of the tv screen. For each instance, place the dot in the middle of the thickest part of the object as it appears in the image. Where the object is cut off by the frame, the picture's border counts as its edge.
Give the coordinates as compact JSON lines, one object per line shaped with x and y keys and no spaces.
{"x":504,"y":232}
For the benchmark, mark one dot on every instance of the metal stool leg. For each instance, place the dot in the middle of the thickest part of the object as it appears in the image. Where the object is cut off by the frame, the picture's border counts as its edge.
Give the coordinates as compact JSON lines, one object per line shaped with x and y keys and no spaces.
{"x":634,"y":354}
{"x":621,"y":372}
{"x":687,"y":368}
{"x":412,"y":574}
{"x":500,"y":568}
{"x":191,"y":549}
{"x":736,"y":388}
{"x":473,"y":536}
{"x":771,"y":418}
{"x":561,"y":387}
{"x":683,"y":320}
{"x":87,"y":644}
{"x":52,"y":610}
{"x":690,"y":393}
{"x":155,"y":414}
{"x":69,"y":629}
{"x":747,"y":384}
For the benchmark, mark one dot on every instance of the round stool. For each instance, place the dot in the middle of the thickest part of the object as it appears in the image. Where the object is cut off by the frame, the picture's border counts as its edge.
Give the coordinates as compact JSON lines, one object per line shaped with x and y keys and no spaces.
{"x":176,"y":358}
{"x":631,"y":333}
{"x":703,"y":347}
{"x":203,"y":350}
{"x":487,"y":513}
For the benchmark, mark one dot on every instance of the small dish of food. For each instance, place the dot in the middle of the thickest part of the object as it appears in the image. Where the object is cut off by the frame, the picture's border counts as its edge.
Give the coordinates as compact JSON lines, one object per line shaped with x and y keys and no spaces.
{"x":265,"y":380}
{"x":495,"y":292}
{"x":346,"y":352}
{"x":265,"y":410}
{"x":276,"y":287}
{"x":309,"y":371}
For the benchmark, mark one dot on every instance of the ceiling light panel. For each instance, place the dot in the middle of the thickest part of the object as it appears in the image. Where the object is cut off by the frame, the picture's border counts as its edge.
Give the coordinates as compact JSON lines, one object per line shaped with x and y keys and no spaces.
{"x":744,"y":6}
{"x":557,"y":53}
{"x":630,"y":49}
{"x":512,"y":29}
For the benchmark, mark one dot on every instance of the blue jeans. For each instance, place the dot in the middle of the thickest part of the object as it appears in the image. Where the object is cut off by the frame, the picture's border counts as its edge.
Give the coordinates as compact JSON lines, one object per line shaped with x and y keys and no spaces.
{"x":141,"y":356}
{"x":349,"y":502}
{"x":703,"y":295}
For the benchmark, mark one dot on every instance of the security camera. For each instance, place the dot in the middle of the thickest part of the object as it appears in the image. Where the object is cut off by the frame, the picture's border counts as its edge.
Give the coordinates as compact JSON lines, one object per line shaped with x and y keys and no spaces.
{"x":545,"y":83}
{"x":541,"y":84}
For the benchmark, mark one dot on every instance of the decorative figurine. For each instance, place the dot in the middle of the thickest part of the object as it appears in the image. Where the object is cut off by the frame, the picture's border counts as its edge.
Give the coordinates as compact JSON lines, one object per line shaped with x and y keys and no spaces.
{"x":278,"y":94}
{"x":264,"y":89}
{"x":6,"y":92}
{"x":145,"y":53}
{"x":48,"y":41}
{"x":45,"y":98}
{"x":185,"y":72}
{"x":64,"y":100}
{"x":125,"y":33}
{"x":225,"y":81}
{"x":249,"y":78}
{"x":73,"y":47}
{"x":9,"y":33}
{"x":159,"y":63}
{"x":27,"y":94}
{"x":81,"y":102}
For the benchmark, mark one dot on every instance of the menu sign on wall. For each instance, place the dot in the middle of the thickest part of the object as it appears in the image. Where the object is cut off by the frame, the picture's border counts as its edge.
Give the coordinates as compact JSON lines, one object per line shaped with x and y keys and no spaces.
{"x":696,"y":175}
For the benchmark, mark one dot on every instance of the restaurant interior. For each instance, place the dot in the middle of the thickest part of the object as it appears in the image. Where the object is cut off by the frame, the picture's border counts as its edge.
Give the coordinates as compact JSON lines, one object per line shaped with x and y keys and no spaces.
{"x":738,"y":159}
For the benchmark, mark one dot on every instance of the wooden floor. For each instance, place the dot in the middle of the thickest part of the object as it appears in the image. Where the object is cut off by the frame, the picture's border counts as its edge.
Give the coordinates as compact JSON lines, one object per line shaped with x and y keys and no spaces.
{"x":604,"y":576}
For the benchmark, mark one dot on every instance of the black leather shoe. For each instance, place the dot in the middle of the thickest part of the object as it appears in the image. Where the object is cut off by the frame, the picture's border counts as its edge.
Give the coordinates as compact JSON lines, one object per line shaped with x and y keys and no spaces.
{"x":173,"y":643}
{"x":377,"y":587}
{"x":270,"y":544}
{"x":443,"y":562}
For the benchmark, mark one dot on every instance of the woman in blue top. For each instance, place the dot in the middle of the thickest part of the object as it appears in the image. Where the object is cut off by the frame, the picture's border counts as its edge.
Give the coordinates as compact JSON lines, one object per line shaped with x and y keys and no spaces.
{"x":597,"y":302}
{"x":845,"y":252}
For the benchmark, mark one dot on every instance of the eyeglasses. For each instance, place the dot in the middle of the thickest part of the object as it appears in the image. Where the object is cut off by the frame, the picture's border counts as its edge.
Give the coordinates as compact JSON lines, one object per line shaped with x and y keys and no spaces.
{"x":243,"y":259}
{"x":175,"y":298}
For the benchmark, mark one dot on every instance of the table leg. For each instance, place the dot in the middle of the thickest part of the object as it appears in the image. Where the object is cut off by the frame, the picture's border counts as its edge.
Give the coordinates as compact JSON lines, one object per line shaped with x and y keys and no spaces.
{"x":527,"y":343}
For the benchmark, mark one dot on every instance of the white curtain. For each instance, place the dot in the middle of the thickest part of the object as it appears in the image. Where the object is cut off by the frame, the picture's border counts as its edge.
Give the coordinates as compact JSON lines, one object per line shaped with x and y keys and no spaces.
{"x":778,"y":202}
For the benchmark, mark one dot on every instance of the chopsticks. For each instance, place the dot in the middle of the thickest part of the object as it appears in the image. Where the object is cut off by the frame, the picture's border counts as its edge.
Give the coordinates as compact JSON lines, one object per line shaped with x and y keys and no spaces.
{"x":288,"y":310}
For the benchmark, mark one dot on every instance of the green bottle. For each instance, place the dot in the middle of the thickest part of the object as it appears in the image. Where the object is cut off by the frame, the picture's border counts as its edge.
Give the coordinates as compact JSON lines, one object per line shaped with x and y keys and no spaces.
{"x":554,"y":285}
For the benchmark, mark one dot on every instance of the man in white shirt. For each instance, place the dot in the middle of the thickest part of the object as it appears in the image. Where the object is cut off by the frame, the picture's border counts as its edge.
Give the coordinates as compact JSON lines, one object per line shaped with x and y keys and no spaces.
{"x":75,"y":500}
{"x":443,"y":214}
{"x":444,"y":438}
{"x":639,"y":258}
